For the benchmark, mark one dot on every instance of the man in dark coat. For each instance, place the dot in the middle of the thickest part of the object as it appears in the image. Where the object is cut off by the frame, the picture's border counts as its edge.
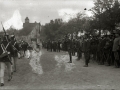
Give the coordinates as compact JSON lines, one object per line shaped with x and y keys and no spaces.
{"x":58,"y":46}
{"x":5,"y":59}
{"x":15,"y":53}
{"x":86,"y":49}
{"x":70,"y":47}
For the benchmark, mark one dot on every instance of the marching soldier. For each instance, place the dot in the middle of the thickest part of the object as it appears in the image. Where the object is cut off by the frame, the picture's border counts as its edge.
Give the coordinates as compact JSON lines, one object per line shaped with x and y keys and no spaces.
{"x":15,"y":53}
{"x":6,"y":51}
{"x":24,"y":47}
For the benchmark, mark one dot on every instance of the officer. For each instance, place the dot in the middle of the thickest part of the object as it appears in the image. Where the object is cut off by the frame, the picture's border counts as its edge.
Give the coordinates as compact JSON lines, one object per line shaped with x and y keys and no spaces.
{"x":86,"y":49}
{"x":15,"y":53}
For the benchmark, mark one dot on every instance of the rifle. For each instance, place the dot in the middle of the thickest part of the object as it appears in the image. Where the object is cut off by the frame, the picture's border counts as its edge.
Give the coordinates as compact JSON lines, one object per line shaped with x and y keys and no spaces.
{"x":8,"y":42}
{"x":3,"y":29}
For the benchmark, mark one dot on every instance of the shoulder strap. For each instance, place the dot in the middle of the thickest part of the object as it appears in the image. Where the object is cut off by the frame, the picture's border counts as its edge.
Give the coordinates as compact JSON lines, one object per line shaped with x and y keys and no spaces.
{"x":7,"y":46}
{"x":14,"y":44}
{"x":3,"y":48}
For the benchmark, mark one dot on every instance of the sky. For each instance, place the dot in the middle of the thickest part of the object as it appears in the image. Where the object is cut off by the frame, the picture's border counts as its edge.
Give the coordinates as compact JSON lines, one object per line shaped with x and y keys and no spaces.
{"x":41,"y":10}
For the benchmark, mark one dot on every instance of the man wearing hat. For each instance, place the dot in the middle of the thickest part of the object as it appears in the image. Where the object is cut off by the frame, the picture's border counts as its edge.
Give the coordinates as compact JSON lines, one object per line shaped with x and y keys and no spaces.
{"x":116,"y":48}
{"x":15,"y":53}
{"x":5,"y":54}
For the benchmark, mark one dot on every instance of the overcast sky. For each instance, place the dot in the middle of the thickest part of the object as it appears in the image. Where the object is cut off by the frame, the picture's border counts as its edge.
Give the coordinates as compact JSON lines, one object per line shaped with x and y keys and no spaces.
{"x":42,"y":10}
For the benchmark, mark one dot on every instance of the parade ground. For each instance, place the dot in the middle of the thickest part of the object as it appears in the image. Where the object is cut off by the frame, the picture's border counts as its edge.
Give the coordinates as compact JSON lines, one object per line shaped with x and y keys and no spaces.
{"x":59,"y":74}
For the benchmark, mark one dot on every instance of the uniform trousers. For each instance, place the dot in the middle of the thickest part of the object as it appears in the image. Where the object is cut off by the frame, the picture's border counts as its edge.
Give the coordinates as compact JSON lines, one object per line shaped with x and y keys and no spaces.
{"x":2,"y":70}
{"x":87,"y":57}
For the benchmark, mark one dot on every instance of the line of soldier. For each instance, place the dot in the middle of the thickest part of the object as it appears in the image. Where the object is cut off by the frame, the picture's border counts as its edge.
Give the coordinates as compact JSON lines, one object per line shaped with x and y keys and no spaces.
{"x":99,"y":49}
{"x":10,"y":49}
{"x":53,"y":46}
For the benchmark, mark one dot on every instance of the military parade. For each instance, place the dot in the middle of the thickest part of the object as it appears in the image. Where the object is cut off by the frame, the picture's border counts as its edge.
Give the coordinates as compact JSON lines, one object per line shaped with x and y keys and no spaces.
{"x":99,"y":49}
{"x":64,"y":44}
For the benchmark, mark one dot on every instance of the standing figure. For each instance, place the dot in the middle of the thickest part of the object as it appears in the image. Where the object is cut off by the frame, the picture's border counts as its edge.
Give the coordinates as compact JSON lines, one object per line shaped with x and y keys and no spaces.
{"x":116,"y":49}
{"x":86,"y":49}
{"x":16,"y":49}
{"x":70,"y":47}
{"x":6,"y":51}
{"x":79,"y":49}
{"x":58,"y":46}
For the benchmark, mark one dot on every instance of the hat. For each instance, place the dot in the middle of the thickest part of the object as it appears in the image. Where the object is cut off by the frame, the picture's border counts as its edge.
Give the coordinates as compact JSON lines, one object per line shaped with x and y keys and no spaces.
{"x":12,"y":37}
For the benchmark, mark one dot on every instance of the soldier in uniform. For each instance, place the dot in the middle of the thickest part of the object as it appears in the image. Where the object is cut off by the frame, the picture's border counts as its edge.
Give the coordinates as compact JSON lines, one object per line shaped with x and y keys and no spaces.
{"x":15,"y":53}
{"x":86,"y":49}
{"x":93,"y":50}
{"x":73,"y":47}
{"x":70,"y":47}
{"x":100,"y":50}
{"x":6,"y":51}
{"x":51,"y":46}
{"x":79,"y":49}
{"x":58,"y":46}
{"x":108,"y":51}
{"x":116,"y":49}
{"x":24,"y":47}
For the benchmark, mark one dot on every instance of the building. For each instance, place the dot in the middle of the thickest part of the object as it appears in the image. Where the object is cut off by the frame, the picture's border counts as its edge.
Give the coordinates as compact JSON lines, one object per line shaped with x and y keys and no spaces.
{"x":27,"y":27}
{"x":28,"y":24}
{"x":30,"y":31}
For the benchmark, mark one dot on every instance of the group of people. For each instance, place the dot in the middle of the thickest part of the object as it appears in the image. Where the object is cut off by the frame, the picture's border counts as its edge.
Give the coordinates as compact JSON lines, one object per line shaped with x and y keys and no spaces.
{"x":53,"y":46}
{"x":10,"y":51}
{"x":102,"y":49}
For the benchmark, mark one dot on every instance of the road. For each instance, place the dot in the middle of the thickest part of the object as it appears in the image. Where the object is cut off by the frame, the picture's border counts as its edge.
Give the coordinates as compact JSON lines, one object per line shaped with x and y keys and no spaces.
{"x":58,"y":74}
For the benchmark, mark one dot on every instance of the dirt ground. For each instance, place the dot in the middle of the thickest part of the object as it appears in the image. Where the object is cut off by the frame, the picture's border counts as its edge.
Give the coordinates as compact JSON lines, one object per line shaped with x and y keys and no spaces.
{"x":58,"y":74}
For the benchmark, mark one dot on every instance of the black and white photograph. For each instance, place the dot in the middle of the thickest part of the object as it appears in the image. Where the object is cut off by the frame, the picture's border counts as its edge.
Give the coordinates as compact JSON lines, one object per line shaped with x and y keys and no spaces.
{"x":60,"y":44}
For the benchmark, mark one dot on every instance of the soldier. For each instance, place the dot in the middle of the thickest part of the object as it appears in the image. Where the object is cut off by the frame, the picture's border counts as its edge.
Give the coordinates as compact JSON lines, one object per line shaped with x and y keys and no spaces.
{"x":15,"y":53}
{"x":51,"y":46}
{"x":58,"y":46}
{"x":100,"y":50}
{"x":79,"y":49}
{"x":94,"y":43}
{"x":54,"y":46}
{"x":69,"y":45}
{"x":73,"y":47}
{"x":24,"y":47}
{"x":116,"y":49}
{"x":48,"y":45}
{"x":86,"y":49}
{"x":6,"y":51}
{"x":21,"y":48}
{"x":108,"y":51}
